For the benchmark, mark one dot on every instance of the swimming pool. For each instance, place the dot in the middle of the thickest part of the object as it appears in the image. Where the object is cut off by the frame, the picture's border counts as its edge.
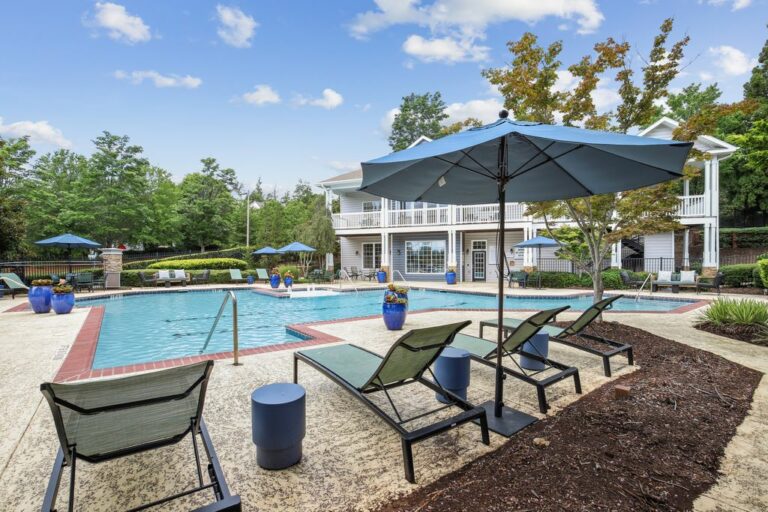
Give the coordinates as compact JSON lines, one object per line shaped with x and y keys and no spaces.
{"x":155,"y":326}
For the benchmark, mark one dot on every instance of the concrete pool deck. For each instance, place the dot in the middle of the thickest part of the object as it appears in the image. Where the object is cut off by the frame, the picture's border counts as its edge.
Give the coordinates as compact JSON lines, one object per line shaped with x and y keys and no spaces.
{"x":344,"y":441}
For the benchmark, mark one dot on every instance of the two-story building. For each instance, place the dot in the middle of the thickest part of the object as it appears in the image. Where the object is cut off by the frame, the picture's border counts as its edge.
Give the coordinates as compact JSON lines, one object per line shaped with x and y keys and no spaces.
{"x":418,"y":241}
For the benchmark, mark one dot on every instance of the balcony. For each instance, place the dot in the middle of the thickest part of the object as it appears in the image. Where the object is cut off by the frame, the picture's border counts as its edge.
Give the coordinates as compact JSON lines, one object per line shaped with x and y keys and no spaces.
{"x":361,"y":220}
{"x":488,"y":213}
{"x":420,"y":217}
{"x":691,"y":206}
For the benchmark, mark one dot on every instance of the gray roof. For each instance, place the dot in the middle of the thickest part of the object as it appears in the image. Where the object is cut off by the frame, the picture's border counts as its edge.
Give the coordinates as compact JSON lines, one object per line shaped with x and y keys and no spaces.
{"x":347,"y":176}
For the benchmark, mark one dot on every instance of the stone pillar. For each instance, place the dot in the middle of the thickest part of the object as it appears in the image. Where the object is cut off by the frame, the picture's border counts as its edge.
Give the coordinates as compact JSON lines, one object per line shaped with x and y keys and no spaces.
{"x":113,"y":265}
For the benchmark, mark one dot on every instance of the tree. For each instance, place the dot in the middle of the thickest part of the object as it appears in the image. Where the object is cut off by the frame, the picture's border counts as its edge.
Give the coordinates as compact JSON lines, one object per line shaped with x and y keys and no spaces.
{"x":15,"y":155}
{"x":163,"y":221}
{"x":420,"y":114}
{"x":205,"y":208}
{"x":757,"y":86}
{"x":318,"y":232}
{"x":528,"y":89}
{"x":692,"y":101}
{"x":458,"y":126}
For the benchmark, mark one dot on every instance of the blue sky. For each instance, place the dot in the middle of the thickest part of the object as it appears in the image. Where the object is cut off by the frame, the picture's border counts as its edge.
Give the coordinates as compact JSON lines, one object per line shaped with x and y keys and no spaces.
{"x":284,"y":90}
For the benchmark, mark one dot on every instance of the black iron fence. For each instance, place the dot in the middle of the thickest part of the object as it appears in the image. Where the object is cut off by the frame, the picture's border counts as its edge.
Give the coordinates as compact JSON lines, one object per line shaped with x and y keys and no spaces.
{"x":560,"y":265}
{"x":156,"y":255}
{"x":45,"y":269}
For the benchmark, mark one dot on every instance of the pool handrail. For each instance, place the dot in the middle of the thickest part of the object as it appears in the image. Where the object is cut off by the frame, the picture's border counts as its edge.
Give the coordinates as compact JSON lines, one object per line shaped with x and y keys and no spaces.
{"x":228,"y":295}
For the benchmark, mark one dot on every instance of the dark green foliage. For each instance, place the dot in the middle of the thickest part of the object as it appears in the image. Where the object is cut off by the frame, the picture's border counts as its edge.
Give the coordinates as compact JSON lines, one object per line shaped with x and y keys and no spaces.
{"x":740,"y":275}
{"x":611,"y":279}
{"x":744,"y":237}
{"x":130,"y":278}
{"x":735,"y":312}
{"x":201,"y":263}
{"x":420,"y":114}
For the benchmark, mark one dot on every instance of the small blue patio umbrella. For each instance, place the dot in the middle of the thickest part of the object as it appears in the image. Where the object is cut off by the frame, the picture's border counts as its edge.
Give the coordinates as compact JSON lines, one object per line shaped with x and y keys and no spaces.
{"x":521,"y":161}
{"x":69,"y":242}
{"x":266,"y":251}
{"x":537,"y":243}
{"x":301,"y":249}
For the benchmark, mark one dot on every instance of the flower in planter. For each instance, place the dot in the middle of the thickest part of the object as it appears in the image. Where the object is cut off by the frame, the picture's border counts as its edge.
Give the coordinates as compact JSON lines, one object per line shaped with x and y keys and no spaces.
{"x":401,"y":291}
{"x":275,"y":271}
{"x":62,"y":288}
{"x":394,"y":299}
{"x":391,"y":287}
{"x":42,"y":282}
{"x":288,"y":274}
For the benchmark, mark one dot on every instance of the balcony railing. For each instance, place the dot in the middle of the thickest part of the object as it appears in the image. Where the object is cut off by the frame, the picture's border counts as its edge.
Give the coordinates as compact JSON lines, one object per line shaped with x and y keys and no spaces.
{"x":357,"y":220}
{"x":691,"y":206}
{"x":487,"y":213}
{"x":420,"y":217}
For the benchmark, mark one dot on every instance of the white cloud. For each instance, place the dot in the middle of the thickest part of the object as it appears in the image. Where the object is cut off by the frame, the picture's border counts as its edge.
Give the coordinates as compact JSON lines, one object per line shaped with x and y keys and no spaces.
{"x":736,"y":5}
{"x":160,"y":80}
{"x":603,"y":96}
{"x":565,"y":80}
{"x":445,"y":49}
{"x":732,"y":61}
{"x":385,"y":125}
{"x":471,"y":17}
{"x":261,"y":95}
{"x":39,"y":132}
{"x":487,"y":110}
{"x":706,"y":76}
{"x":235,"y":27}
{"x":330,"y":100}
{"x":120,"y":24}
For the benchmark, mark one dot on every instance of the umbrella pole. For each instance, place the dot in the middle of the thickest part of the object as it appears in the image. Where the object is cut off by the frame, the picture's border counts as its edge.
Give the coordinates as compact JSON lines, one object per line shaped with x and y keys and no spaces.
{"x":499,"y":397}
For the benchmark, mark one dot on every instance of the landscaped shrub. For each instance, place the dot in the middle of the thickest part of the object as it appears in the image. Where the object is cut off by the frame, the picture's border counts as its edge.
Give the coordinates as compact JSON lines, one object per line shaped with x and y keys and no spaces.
{"x":293,"y":269}
{"x":735,"y":311}
{"x":739,"y":275}
{"x":241,"y":253}
{"x":131,"y":277}
{"x":744,"y":237}
{"x":762,"y":266}
{"x":611,"y":279}
{"x":208,"y":263}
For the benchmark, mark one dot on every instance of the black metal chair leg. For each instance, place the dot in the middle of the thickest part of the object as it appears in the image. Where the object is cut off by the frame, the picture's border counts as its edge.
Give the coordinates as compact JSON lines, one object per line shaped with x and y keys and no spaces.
{"x":577,"y":382}
{"x":607,"y":366}
{"x":630,"y":357}
{"x":408,"y":461}
{"x":49,"y":501}
{"x":71,"y":504}
{"x":542,"y":397}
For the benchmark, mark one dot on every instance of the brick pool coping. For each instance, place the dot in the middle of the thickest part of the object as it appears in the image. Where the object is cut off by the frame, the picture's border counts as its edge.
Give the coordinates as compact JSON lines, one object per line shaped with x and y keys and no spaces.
{"x":78,"y":364}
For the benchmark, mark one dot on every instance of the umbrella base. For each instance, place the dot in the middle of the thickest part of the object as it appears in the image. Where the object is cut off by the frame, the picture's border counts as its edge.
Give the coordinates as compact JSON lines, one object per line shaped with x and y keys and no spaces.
{"x":511,"y":422}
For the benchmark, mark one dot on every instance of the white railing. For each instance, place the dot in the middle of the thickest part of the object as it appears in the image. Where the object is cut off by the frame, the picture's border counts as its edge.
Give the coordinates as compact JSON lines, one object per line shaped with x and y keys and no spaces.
{"x":420,"y":217}
{"x":488,"y":213}
{"x":691,"y":206}
{"x":357,"y":220}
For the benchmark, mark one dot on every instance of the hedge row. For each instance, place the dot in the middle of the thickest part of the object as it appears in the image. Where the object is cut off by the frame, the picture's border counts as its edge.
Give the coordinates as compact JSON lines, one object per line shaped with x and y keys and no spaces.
{"x":200,"y":264}
{"x":131,"y":277}
{"x":240,"y":252}
{"x":747,"y":274}
{"x":744,"y":237}
{"x":611,"y":279}
{"x":762,"y":269}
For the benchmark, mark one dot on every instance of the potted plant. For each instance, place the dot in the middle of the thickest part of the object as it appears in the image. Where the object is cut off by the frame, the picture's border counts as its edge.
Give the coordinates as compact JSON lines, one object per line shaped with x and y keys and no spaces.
{"x":274,"y":278}
{"x":250,"y":279}
{"x":40,"y":295}
{"x":450,"y":276}
{"x":288,"y":279}
{"x":381,"y":276}
{"x":394,"y":310}
{"x":63,"y":299}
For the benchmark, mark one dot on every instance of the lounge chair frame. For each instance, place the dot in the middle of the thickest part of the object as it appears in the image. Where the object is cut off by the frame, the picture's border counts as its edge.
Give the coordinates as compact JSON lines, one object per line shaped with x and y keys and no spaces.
{"x":408,"y":438}
{"x":616,"y":347}
{"x":218,"y":484}
{"x":527,"y":376}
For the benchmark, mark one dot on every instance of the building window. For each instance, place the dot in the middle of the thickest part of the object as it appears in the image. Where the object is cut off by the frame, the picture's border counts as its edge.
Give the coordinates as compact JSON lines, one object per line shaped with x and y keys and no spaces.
{"x":372,"y":206}
{"x":479,"y":245}
{"x":371,"y":255}
{"x":425,"y":257}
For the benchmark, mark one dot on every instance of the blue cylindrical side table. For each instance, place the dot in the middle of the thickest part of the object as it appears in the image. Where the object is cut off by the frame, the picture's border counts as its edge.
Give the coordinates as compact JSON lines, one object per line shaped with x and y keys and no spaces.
{"x":278,"y":423}
{"x":538,"y":345}
{"x":452,"y":372}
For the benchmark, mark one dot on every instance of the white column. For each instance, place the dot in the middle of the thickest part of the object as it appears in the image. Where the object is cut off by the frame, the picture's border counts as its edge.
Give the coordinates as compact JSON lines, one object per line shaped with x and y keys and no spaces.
{"x":384,"y":214}
{"x":686,"y":188}
{"x":452,"y":248}
{"x":708,"y":253}
{"x":384,"y":249}
{"x":616,"y":255}
{"x":707,"y":188}
{"x":686,"y":250}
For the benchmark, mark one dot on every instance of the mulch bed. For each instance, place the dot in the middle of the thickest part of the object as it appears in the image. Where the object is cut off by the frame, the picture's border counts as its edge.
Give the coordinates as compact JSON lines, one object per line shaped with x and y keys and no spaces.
{"x":657,"y":450}
{"x":749,"y":333}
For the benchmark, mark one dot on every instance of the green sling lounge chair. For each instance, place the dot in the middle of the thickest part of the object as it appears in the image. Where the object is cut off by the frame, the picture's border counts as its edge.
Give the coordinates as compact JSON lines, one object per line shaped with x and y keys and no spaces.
{"x":559,"y":334}
{"x":14,"y":283}
{"x":107,"y":419}
{"x":362,"y":373}
{"x":484,"y":352}
{"x":262,"y":275}
{"x":235,"y":276}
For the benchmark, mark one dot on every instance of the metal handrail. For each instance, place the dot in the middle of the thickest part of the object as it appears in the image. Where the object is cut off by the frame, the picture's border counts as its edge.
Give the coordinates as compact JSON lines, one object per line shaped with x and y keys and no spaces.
{"x":235,"y":348}
{"x":637,"y":297}
{"x":343,"y":274}
{"x":401,"y":277}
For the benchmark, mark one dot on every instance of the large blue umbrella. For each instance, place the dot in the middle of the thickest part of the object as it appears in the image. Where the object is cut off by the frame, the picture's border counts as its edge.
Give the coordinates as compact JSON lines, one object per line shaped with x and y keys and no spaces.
{"x":69,"y":242}
{"x":296,"y":247}
{"x":266,"y":251}
{"x":537,"y":243}
{"x":521,"y":161}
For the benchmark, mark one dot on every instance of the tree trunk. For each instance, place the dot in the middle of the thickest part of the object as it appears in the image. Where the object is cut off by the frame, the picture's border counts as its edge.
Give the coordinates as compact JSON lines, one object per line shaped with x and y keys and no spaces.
{"x":202,"y":248}
{"x":597,"y":288}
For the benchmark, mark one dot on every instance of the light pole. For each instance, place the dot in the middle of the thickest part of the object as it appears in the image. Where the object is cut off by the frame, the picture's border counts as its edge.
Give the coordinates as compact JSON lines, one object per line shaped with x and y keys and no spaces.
{"x":248,"y":218}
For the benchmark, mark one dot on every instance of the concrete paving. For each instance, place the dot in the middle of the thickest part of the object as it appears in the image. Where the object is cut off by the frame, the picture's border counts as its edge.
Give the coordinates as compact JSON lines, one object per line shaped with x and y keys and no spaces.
{"x":352,"y":460}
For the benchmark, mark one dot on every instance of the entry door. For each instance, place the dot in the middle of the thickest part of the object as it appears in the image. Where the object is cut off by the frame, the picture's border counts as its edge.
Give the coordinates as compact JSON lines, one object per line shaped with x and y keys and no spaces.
{"x":478,"y":259}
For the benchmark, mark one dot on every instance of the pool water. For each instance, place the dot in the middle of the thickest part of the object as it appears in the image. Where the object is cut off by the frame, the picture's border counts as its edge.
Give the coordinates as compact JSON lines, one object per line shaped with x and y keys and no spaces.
{"x":157,"y":326}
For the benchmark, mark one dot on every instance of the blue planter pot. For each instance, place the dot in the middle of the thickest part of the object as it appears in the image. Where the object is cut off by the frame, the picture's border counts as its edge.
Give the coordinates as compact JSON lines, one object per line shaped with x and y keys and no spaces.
{"x":450,"y":277}
{"x":40,"y":298}
{"x":394,"y":315}
{"x":274,"y":280}
{"x":381,"y":276}
{"x":250,"y":279}
{"x":63,"y":302}
{"x":288,"y":281}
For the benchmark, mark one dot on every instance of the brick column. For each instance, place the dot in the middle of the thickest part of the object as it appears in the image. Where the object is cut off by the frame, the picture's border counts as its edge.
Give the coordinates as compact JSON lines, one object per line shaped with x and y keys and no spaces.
{"x":113,"y":265}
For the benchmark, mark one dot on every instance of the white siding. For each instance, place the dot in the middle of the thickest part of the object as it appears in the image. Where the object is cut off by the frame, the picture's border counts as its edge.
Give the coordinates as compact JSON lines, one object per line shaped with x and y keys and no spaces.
{"x":511,"y":237}
{"x":349,"y":245}
{"x":661,"y":245}
{"x":352,"y":202}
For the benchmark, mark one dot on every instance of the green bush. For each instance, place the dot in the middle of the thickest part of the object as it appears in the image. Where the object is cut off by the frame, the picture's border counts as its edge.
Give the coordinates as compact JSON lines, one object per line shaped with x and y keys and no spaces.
{"x":762,"y":267}
{"x":735,"y":312}
{"x":241,"y":253}
{"x":285,"y":268}
{"x":763,"y":256}
{"x":207,"y":263}
{"x":131,"y":277}
{"x":739,"y":275}
{"x":611,"y":279}
{"x":744,"y":237}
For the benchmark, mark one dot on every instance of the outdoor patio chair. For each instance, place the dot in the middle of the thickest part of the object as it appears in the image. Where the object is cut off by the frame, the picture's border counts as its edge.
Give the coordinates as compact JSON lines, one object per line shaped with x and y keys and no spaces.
{"x":353,"y":274}
{"x":713,"y":283}
{"x":146,"y":280}
{"x":627,"y":281}
{"x":262,"y":275}
{"x":362,"y":373}
{"x":576,"y":328}
{"x":202,"y":278}
{"x":107,"y":419}
{"x":664,"y":278}
{"x":688,"y":279}
{"x":84,"y":281}
{"x":13,"y":283}
{"x":484,"y":352}
{"x":235,"y":276}
{"x":168,"y":277}
{"x":519,"y":277}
